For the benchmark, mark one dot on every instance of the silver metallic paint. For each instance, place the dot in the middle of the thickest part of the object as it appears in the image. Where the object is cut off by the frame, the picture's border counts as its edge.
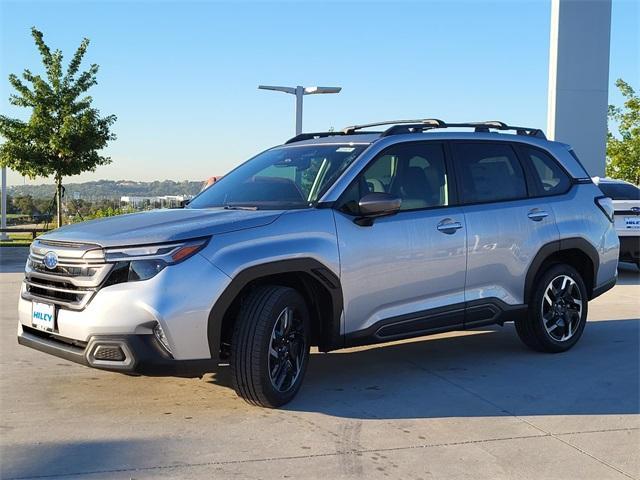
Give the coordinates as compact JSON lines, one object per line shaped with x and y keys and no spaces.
{"x":401,"y":264}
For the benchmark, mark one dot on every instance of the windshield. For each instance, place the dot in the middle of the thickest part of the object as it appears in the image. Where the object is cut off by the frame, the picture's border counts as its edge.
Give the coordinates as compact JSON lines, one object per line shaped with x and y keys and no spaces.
{"x":280,"y":178}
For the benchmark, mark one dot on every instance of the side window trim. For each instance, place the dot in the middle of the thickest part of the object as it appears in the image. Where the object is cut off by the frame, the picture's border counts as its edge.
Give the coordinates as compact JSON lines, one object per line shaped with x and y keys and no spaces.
{"x":452,"y":190}
{"x":452,"y":177}
{"x":459,"y":181}
{"x":529,"y":170}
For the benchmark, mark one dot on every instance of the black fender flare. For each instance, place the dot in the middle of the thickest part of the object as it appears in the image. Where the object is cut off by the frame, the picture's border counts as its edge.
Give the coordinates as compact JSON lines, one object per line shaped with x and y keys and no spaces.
{"x":574,"y":243}
{"x":307,"y":265}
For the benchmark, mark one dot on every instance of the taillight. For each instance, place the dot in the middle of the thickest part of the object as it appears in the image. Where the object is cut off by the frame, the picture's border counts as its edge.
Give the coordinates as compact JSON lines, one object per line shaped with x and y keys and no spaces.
{"x":606,"y":205}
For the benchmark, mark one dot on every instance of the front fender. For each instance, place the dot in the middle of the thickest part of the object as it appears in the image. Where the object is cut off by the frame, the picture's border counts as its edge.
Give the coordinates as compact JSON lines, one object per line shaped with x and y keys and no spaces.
{"x":299,"y":241}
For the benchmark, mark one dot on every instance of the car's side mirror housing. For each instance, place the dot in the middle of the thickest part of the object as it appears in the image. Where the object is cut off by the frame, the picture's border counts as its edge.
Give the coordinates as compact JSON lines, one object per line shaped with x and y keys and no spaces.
{"x":377,"y":204}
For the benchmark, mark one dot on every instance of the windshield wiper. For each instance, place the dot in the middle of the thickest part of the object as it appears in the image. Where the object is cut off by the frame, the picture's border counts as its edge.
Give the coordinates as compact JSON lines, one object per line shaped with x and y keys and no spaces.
{"x":238,"y":207}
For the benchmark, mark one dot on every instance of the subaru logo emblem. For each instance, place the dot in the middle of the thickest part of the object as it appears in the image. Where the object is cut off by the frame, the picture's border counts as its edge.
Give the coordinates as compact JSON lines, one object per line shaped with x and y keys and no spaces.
{"x":636,"y":210}
{"x":50,"y":260}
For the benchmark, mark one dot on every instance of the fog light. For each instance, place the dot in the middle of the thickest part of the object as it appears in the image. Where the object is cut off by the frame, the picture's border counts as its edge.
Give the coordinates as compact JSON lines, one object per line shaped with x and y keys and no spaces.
{"x":161,"y":337}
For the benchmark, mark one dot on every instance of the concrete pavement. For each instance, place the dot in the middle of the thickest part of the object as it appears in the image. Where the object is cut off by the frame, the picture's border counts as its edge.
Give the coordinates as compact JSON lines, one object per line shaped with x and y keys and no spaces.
{"x":474,"y":404}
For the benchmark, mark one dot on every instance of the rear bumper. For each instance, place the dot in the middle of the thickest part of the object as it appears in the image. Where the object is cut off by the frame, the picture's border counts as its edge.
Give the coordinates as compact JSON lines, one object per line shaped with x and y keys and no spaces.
{"x":129,"y":354}
{"x":630,"y":248}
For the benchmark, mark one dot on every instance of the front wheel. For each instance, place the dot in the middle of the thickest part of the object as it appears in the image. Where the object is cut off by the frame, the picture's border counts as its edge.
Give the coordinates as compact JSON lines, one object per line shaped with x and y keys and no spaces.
{"x":270,"y":346}
{"x":557,"y":311}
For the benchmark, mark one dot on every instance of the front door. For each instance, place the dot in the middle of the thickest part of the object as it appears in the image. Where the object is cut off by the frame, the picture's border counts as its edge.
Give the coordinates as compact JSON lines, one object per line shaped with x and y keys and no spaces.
{"x":404,"y":274}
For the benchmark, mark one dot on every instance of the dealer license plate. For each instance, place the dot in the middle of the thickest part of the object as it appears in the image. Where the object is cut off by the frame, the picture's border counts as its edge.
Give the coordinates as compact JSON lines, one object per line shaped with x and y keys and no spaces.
{"x":632,"y":223}
{"x":43,"y":316}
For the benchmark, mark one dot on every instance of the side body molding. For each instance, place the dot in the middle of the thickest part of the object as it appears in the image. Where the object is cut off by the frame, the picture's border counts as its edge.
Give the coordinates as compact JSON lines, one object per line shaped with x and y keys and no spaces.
{"x":332,"y":339}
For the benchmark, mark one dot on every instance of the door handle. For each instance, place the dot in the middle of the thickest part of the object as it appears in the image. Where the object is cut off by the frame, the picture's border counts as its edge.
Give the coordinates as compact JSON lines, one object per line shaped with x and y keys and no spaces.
{"x":536,"y":214}
{"x":448,"y":226}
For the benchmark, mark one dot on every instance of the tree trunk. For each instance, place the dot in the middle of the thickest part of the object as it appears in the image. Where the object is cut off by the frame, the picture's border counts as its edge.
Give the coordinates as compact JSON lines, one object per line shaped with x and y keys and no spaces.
{"x":59,"y":200}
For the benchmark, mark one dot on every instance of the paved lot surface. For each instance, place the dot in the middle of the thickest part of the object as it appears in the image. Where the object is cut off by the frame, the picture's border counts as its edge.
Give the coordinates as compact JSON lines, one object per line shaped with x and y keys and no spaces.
{"x":465,"y":405}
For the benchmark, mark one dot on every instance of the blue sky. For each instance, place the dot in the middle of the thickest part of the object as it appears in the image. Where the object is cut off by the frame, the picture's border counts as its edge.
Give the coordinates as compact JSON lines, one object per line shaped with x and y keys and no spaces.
{"x":182,"y":76}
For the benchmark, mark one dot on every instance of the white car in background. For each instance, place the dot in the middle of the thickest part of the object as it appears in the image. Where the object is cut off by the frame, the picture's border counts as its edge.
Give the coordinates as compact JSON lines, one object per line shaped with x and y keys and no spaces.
{"x":626,"y":204}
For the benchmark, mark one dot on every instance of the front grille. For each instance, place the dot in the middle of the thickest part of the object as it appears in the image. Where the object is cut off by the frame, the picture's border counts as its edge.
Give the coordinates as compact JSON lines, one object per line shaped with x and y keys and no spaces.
{"x":63,"y":271}
{"x":80,"y":271}
{"x":58,"y":292}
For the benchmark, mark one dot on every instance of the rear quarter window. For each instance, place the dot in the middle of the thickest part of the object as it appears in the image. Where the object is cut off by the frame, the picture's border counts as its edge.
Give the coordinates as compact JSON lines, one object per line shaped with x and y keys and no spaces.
{"x":549,"y":178}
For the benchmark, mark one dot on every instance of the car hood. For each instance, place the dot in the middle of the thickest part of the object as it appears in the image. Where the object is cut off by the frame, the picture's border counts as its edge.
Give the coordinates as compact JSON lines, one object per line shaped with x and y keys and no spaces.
{"x":159,"y":226}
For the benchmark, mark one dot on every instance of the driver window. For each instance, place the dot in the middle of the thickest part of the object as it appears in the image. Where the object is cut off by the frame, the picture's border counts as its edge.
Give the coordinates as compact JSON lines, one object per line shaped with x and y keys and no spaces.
{"x":414,"y":171}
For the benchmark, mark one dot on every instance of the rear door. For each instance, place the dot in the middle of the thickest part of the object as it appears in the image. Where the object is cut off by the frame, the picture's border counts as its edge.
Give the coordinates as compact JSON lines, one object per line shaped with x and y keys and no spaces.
{"x":505,"y":228}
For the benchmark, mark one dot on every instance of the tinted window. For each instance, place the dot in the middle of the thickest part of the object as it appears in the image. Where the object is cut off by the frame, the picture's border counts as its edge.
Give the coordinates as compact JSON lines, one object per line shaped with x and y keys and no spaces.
{"x":415,"y":172}
{"x":489,"y":172}
{"x":620,"y":191}
{"x":550,"y":179}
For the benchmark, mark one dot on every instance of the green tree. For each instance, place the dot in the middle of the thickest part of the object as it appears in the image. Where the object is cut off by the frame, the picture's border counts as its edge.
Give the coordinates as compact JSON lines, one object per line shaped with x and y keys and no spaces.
{"x":64,"y":133}
{"x":623,"y":151}
{"x":25,"y":205}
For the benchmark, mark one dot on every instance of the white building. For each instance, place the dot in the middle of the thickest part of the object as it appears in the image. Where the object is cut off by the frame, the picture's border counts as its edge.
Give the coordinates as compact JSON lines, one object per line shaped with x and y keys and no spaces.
{"x":164,"y":201}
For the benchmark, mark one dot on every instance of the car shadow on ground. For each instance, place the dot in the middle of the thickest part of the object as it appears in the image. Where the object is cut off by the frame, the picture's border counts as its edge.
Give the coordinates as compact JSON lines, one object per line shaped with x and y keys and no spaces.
{"x":478,"y":373}
{"x":52,"y":459}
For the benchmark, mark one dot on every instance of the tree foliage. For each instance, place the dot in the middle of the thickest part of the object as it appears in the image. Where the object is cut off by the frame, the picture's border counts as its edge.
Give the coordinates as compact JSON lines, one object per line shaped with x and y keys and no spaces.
{"x":623,"y":151}
{"x":64,"y":133}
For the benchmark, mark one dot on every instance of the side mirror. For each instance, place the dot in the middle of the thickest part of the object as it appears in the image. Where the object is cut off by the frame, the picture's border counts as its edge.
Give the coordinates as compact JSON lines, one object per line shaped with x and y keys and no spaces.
{"x":375,"y":205}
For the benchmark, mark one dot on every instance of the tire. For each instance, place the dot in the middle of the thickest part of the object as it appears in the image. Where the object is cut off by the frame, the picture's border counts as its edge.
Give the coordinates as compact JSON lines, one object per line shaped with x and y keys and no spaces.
{"x":555,"y":323}
{"x":261,"y":375}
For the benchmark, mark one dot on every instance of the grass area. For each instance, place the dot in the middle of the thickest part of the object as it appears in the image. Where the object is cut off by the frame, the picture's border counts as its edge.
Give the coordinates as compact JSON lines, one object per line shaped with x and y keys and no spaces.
{"x":17,"y":240}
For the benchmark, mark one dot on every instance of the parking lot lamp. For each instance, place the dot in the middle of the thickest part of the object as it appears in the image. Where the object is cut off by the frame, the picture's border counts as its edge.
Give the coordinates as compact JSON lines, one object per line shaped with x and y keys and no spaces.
{"x":300,"y":92}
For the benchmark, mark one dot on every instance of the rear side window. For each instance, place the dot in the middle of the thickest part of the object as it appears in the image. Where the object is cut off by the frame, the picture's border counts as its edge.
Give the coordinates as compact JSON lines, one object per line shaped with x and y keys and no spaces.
{"x":489,"y":172}
{"x":620,"y":191}
{"x":549,"y":178}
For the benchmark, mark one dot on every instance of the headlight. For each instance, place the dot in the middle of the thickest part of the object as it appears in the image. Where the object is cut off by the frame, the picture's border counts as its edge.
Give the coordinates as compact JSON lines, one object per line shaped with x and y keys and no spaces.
{"x":146,"y":261}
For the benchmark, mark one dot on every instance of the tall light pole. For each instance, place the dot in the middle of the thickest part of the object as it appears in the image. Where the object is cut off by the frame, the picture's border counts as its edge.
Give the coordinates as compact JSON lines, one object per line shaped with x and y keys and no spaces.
{"x":300,"y":92}
{"x":3,"y":213}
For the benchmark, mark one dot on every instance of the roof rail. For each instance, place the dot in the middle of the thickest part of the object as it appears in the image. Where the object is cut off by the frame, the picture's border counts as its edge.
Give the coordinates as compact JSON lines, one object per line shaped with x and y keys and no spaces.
{"x":414,"y":126}
{"x":422,"y":125}
{"x":309,"y":136}
{"x":426,"y":122}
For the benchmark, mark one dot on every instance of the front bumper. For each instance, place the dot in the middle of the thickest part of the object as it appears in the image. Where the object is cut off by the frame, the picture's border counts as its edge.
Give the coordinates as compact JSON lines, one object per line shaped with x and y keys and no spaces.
{"x":179,"y":299}
{"x":129,"y":354}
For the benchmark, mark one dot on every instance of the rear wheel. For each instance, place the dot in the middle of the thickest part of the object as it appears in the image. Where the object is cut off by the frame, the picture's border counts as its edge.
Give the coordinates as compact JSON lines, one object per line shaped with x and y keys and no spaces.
{"x":557,"y":311}
{"x":270,"y":346}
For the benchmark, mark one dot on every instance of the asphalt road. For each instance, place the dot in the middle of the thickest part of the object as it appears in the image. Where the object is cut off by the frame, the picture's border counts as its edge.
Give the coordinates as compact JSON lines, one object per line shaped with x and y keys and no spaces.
{"x":465,"y":405}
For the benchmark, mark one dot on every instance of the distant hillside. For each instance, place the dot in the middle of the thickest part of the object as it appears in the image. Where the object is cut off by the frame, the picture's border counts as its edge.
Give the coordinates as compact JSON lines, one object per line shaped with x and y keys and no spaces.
{"x":111,"y":189}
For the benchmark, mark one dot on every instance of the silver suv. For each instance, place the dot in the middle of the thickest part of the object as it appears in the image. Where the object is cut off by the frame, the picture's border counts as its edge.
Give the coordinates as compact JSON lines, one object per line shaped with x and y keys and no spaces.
{"x":333,"y":240}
